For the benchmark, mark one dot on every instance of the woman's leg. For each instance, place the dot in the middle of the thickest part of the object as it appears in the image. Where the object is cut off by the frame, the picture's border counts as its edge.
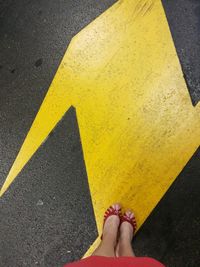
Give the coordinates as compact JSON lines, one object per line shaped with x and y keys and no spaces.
{"x":110,"y":233}
{"x":124,"y":247}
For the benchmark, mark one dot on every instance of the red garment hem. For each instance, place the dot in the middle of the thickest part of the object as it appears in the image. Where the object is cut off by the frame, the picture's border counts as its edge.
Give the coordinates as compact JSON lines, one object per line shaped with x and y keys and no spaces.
{"x":99,"y":261}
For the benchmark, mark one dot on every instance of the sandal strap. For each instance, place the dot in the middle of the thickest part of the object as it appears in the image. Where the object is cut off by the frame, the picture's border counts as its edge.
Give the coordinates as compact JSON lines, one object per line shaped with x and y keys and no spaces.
{"x":132,"y":221}
{"x":111,"y":211}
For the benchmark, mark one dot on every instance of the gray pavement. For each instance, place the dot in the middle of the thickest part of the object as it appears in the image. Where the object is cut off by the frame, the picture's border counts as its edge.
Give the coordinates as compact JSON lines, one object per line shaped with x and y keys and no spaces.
{"x":46,"y":217}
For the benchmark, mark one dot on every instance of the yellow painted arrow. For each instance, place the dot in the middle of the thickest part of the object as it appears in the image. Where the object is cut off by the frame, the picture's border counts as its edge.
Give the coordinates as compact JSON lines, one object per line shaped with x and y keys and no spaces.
{"x":137,"y":124}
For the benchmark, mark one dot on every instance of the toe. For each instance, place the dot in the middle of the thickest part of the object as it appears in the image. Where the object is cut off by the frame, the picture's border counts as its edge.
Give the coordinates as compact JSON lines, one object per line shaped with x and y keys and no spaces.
{"x":116,"y":206}
{"x":129,"y":214}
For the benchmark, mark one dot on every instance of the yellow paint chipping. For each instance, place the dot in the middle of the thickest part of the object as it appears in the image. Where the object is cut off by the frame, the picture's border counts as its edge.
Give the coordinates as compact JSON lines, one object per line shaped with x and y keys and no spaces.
{"x":137,"y":124}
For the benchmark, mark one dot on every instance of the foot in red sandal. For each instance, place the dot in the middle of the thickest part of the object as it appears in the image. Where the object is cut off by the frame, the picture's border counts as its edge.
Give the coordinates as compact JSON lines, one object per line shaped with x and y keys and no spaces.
{"x":127,"y":229}
{"x":128,"y":225}
{"x":111,"y":222}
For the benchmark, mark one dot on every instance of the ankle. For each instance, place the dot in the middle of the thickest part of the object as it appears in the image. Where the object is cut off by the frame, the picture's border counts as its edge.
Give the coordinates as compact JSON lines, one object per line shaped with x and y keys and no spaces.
{"x":107,"y":242}
{"x":125,"y":239}
{"x":125,"y":247}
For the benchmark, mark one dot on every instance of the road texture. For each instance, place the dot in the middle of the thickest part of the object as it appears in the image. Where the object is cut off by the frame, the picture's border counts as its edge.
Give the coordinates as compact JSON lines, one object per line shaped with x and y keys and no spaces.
{"x":49,"y":213}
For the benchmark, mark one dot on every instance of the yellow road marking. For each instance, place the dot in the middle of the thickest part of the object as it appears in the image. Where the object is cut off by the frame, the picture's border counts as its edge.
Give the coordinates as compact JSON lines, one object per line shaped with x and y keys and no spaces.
{"x":137,"y":124}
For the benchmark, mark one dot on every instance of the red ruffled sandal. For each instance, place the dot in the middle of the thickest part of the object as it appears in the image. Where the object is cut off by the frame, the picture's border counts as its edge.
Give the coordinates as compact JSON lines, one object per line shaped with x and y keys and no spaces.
{"x":109,"y":212}
{"x":132,"y":221}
